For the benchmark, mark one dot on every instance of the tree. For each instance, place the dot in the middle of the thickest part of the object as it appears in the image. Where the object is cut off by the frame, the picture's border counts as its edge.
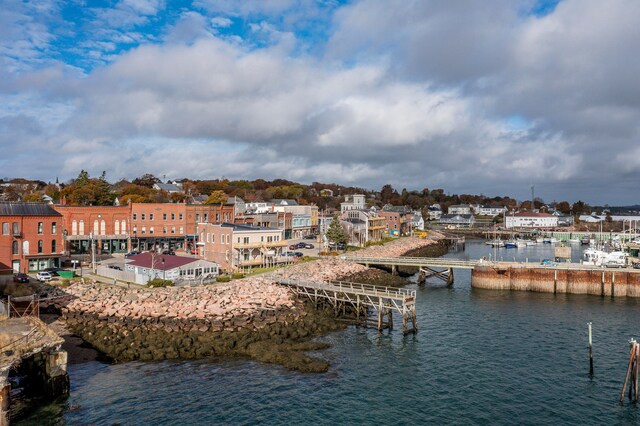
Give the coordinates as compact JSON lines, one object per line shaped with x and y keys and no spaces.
{"x":563,"y":207}
{"x":335,"y":233}
{"x":217,"y":197}
{"x":147,"y":180}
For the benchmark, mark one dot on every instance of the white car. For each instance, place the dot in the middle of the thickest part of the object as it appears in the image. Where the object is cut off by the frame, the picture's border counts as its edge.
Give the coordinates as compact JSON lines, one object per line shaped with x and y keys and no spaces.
{"x":43,"y":276}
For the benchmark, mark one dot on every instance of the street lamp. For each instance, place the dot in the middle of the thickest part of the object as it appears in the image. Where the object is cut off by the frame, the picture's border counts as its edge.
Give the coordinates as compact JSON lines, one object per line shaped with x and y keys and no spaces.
{"x":164,"y":273}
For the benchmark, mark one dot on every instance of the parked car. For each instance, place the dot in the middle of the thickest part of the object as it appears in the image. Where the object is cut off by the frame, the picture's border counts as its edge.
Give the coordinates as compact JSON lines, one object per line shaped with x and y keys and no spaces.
{"x":43,"y":276}
{"x":293,"y":246}
{"x":637,"y":265}
{"x":298,"y":254}
{"x":132,"y":253}
{"x":288,"y":254}
{"x":21,"y":278}
{"x":309,"y":246}
{"x":115,"y":267}
{"x":301,"y":245}
{"x":309,"y":237}
{"x":169,"y":252}
{"x":53,"y":271}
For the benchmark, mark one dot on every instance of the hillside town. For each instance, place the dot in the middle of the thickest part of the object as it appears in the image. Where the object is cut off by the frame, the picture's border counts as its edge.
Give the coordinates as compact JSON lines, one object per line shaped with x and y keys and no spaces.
{"x":47,"y":226}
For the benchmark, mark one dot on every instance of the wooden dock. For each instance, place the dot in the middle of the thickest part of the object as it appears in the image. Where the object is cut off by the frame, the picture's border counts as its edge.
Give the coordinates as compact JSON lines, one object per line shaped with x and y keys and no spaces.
{"x":360,"y":298}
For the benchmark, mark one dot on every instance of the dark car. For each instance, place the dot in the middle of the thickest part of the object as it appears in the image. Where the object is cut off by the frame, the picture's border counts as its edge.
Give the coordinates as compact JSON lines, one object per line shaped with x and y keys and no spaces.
{"x":309,"y":246}
{"x":301,"y":245}
{"x":115,"y":267}
{"x":309,"y":237}
{"x":132,"y":253}
{"x":53,"y":271}
{"x":169,"y":252}
{"x":298,"y":254}
{"x":21,"y":278}
{"x":293,"y":246}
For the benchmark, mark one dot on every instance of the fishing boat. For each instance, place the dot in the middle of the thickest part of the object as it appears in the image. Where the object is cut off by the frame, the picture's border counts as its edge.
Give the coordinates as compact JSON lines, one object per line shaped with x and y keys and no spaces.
{"x":597,"y":257}
{"x":585,"y":240}
{"x":510,"y":244}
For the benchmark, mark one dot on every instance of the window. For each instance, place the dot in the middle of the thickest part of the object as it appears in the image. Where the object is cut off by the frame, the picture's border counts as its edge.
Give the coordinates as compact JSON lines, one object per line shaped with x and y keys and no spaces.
{"x":181,"y":230}
{"x":39,"y":246}
{"x":150,"y":216}
{"x":208,"y":236}
{"x":246,"y":240}
{"x":53,"y":246}
{"x":142,"y":216}
{"x":135,"y":229}
{"x":123,"y":226}
{"x":81,"y":227}
{"x":228,"y":239}
{"x":173,"y":229}
{"x":213,"y":238}
{"x":16,"y":228}
{"x":74,"y":227}
{"x":103,"y":227}
{"x":164,"y":216}
{"x":217,"y":217}
{"x":151,"y":229}
{"x":5,"y":228}
{"x":95,"y":227}
{"x":197,"y":217}
{"x":14,"y":247}
{"x":40,"y":228}
{"x":116,"y":227}
{"x":180,"y":216}
{"x":135,"y":216}
{"x":144,"y":230}
{"x":206,"y":217}
{"x":238,"y":240}
{"x":164,"y":229}
{"x":173,"y":216}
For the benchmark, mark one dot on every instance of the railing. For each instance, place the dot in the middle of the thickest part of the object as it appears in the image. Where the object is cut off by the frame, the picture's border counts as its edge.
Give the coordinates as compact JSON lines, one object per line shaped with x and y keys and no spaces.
{"x":348,"y":287}
{"x":413,"y":261}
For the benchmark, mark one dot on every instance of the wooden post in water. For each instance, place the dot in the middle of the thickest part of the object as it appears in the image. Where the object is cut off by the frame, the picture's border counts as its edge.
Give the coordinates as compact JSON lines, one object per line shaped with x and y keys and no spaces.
{"x":590,"y":351}
{"x":632,"y":372}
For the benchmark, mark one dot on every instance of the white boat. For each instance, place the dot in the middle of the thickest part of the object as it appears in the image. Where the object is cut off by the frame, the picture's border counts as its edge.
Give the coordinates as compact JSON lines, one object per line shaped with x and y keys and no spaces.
{"x":521,"y":243}
{"x":495,"y":243}
{"x":539,"y":240}
{"x":595,"y":257}
{"x":530,"y":242}
{"x":550,"y":240}
{"x":573,"y":241}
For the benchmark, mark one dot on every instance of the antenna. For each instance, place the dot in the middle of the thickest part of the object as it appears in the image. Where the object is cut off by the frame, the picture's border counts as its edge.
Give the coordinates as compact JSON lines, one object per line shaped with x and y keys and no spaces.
{"x":532,"y":198}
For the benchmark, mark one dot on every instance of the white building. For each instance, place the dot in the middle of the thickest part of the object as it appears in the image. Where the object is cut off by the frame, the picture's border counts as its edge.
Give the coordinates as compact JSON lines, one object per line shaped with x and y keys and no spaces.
{"x":531,"y":220}
{"x":259,"y":207}
{"x":353,"y":202}
{"x":417,"y":221}
{"x":149,"y":265}
{"x":490,"y":210}
{"x":460,"y":209}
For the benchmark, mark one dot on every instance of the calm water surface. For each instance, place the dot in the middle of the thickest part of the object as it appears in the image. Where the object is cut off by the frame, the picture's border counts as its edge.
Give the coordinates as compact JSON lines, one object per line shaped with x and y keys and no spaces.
{"x":481,"y":357}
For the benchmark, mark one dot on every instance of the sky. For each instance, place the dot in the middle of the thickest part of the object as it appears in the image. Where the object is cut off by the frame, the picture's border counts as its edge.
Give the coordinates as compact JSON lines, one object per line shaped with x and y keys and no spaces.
{"x":483,"y":97}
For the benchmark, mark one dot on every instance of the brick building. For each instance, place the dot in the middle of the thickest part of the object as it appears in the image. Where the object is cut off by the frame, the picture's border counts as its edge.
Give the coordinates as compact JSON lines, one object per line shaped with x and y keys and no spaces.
{"x":109,"y":226}
{"x":30,"y":237}
{"x":234,"y":246}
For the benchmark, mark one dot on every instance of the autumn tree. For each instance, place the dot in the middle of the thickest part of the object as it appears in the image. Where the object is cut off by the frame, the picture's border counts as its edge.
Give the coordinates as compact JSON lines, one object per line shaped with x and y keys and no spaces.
{"x":147,"y":180}
{"x":217,"y":197}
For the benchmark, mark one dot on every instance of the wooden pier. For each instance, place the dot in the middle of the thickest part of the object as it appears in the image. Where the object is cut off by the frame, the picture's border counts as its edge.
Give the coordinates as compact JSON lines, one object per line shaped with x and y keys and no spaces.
{"x":360,"y":298}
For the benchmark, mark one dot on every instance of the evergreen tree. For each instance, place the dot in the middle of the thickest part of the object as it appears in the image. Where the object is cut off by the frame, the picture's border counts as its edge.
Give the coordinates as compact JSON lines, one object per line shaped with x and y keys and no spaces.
{"x":335,"y":233}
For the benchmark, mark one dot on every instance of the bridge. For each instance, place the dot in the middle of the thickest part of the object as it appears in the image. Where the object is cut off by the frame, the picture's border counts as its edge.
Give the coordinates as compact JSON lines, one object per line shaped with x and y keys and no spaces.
{"x":358,"y":298}
{"x":427,"y":265}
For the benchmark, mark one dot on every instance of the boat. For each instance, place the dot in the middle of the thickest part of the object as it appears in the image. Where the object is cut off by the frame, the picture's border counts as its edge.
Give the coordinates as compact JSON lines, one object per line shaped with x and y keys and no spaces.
{"x":521,"y":243}
{"x":550,"y":240}
{"x":597,"y":257}
{"x":585,"y":240}
{"x":495,"y":243}
{"x":510,"y":244}
{"x":539,"y":240}
{"x":530,"y":242}
{"x":573,"y":241}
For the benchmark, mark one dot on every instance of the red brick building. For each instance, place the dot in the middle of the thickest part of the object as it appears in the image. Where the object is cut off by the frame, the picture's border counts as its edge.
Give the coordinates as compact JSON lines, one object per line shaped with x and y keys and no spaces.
{"x":30,"y":237}
{"x":109,"y":226}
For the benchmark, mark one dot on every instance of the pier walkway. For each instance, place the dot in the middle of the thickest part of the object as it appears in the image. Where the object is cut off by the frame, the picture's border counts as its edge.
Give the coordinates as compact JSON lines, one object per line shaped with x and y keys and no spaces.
{"x":359,"y":297}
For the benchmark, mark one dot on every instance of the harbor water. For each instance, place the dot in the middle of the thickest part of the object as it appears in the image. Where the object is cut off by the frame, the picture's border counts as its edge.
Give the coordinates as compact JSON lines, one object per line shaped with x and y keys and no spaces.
{"x":480,"y":357}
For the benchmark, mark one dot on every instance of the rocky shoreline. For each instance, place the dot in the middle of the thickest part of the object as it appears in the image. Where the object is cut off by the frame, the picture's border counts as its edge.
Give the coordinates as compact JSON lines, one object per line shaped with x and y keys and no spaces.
{"x":252,"y":317}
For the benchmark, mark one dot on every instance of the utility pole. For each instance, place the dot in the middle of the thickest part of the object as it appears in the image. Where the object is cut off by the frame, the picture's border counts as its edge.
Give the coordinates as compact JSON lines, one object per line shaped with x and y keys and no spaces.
{"x":93,"y":253}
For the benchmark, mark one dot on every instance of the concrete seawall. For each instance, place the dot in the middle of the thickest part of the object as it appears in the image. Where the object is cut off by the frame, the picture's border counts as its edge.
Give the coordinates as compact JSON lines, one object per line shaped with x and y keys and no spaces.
{"x":604,"y":282}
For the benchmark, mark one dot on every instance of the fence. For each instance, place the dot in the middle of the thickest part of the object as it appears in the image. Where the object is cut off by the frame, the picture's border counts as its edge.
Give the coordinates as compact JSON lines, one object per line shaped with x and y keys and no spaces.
{"x":4,"y":310}
{"x":116,"y":274}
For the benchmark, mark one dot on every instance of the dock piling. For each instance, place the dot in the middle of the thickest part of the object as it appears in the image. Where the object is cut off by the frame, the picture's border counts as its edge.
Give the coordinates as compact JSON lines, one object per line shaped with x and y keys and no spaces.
{"x":590,"y":350}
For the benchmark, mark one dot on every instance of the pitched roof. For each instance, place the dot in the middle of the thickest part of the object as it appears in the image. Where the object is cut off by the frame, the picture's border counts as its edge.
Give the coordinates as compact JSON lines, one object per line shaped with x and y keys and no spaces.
{"x":155,"y":261}
{"x":169,"y":187}
{"x":284,"y":202}
{"x":242,"y":227}
{"x":10,"y":208}
{"x":531,"y":214}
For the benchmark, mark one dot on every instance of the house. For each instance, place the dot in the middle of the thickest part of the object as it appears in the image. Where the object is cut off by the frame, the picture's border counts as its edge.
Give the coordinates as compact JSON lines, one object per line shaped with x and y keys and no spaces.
{"x":234,"y":246}
{"x":304,"y":218}
{"x":171,"y":188}
{"x":464,"y":209}
{"x":563,"y":219}
{"x":363,"y":225}
{"x":258,"y":207}
{"x":463,"y":220}
{"x":417,"y":221}
{"x":435,"y":212}
{"x":283,"y":202}
{"x":530,"y":220}
{"x":31,"y":237}
{"x":150,"y":265}
{"x":490,"y":210}
{"x":353,"y":202}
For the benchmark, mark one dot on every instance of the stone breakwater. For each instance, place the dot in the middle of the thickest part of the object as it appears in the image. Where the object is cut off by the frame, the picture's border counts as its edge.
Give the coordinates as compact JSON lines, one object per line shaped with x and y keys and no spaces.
{"x":335,"y":268}
{"x":251,"y":317}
